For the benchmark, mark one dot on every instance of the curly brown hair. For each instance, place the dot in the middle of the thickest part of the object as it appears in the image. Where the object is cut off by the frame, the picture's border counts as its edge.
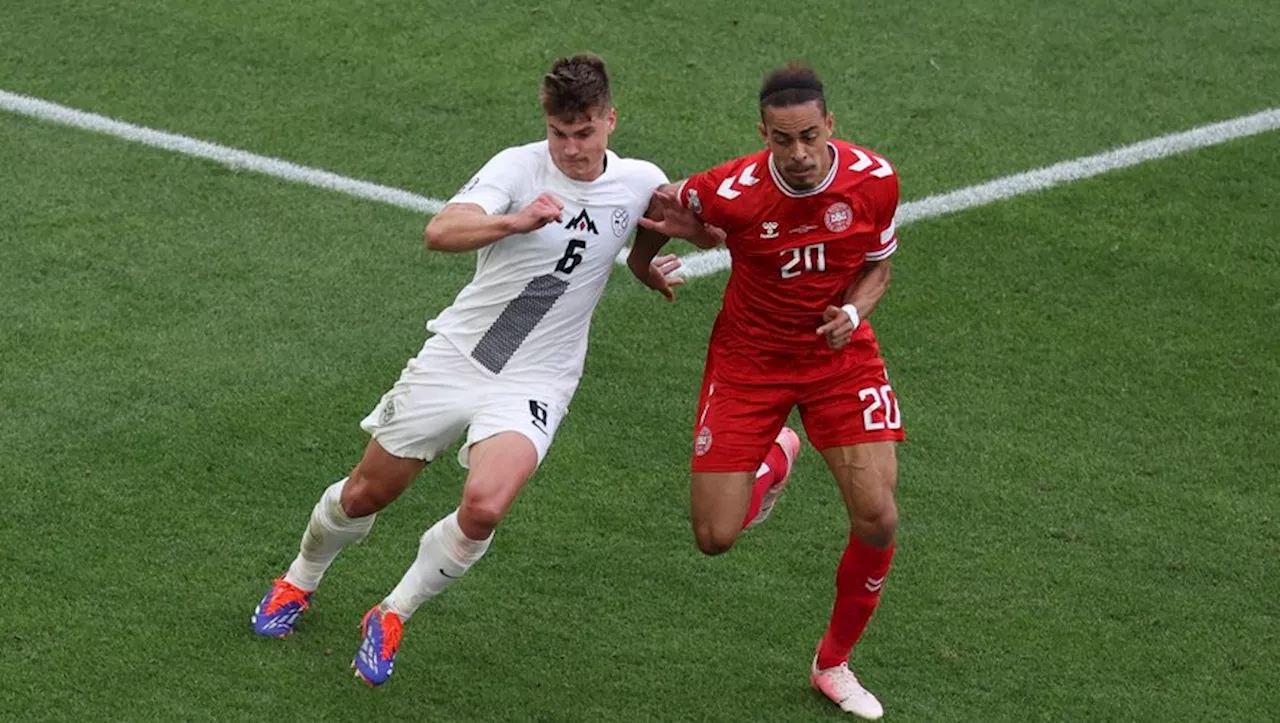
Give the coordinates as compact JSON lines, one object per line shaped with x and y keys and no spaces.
{"x":575,"y":87}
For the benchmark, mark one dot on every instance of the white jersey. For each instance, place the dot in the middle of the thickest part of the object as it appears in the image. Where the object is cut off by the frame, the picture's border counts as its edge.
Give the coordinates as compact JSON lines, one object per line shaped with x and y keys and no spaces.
{"x":526,"y":315}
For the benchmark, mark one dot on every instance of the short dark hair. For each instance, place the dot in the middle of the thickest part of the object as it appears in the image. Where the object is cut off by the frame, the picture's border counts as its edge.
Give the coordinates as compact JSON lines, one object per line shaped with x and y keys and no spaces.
{"x":796,"y":84}
{"x":576,"y":87}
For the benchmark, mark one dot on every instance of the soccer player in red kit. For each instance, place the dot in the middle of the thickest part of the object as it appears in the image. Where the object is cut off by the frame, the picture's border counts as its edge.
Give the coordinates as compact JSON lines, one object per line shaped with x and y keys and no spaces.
{"x":809,"y":227}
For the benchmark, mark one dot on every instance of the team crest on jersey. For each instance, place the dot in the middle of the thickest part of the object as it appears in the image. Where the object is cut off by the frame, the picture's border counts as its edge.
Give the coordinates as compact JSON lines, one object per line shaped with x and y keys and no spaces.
{"x":702,"y":444}
{"x":838,"y":218}
{"x":582,"y":222}
{"x":621,"y":219}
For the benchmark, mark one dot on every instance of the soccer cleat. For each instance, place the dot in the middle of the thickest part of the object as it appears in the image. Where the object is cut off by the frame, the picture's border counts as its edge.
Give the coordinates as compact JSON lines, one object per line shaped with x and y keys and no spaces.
{"x":280,"y":609}
{"x":376,"y":657}
{"x":842,"y":687}
{"x":789,"y":441}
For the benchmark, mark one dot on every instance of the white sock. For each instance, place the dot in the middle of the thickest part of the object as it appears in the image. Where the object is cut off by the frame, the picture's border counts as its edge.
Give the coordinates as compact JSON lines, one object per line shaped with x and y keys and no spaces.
{"x":327,"y":533}
{"x":444,"y":554}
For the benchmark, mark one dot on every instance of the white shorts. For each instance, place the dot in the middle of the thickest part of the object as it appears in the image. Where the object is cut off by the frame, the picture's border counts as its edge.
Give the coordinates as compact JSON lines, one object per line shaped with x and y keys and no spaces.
{"x":441,"y":393}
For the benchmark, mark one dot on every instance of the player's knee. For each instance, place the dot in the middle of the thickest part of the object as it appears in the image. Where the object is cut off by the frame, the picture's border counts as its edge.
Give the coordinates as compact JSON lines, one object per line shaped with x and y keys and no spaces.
{"x":877,"y":527}
{"x":365,"y":494}
{"x":480,"y":513}
{"x":713,"y":541}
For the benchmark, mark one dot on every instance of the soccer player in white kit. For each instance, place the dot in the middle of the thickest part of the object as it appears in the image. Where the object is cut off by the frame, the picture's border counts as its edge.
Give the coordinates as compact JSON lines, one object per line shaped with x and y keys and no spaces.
{"x":548,"y":220}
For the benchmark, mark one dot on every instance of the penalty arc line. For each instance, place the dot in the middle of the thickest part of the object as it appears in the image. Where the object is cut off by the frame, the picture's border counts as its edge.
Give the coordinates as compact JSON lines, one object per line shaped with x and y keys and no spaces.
{"x":697,"y":264}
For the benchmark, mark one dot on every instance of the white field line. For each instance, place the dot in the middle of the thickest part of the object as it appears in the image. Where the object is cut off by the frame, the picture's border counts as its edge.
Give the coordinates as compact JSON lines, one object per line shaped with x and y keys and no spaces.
{"x":709,"y":262}
{"x":697,"y":264}
{"x":230,"y":157}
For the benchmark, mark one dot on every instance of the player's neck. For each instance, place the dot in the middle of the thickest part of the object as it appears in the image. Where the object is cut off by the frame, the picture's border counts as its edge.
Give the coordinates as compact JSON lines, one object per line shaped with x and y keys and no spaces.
{"x":792,"y":189}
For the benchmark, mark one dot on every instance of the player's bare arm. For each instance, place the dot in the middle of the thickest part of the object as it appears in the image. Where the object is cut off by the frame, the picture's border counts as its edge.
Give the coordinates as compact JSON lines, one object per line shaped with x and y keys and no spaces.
{"x":673,"y":219}
{"x":656,"y":272}
{"x":859,"y":301}
{"x":464,"y":227}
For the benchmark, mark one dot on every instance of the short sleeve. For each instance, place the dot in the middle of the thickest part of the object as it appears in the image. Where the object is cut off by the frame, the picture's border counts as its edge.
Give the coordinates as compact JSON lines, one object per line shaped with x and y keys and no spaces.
{"x":645,"y":178}
{"x":885,"y":202}
{"x":656,"y":177}
{"x":699,"y":194}
{"x":496,"y":186}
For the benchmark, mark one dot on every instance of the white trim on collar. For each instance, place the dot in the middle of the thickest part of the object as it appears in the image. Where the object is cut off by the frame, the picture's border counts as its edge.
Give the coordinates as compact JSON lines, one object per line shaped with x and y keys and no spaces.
{"x":826,"y":182}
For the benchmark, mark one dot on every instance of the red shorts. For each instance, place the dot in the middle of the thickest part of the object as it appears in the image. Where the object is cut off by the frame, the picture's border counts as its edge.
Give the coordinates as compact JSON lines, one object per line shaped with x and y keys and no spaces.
{"x":737,"y":422}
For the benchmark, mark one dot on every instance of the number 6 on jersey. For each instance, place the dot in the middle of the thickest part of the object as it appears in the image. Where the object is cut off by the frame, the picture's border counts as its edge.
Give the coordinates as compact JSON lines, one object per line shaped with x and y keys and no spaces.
{"x":571,"y":257}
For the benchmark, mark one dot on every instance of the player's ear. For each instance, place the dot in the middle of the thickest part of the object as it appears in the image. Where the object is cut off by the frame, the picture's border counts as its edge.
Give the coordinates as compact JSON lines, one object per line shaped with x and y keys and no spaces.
{"x":831,"y":123}
{"x":613,"y":118}
{"x":764,"y":134}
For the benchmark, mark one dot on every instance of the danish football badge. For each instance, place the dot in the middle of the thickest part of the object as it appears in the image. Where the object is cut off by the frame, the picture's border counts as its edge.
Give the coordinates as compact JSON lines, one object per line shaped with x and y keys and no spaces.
{"x":702,"y":444}
{"x":838,"y":218}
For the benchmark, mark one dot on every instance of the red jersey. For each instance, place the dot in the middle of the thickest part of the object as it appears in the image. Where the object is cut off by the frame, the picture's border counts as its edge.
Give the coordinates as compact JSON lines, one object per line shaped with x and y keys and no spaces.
{"x":794,"y":253}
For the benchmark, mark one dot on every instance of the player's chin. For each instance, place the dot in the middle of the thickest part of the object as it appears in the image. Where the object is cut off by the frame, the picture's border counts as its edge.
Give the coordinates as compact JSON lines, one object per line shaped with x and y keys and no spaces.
{"x":576,"y":167}
{"x":803,"y":183}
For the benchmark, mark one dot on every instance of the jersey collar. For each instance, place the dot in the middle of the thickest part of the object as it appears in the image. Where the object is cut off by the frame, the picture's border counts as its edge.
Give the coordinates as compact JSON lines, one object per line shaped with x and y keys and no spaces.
{"x":826,"y":182}
{"x":610,"y":158}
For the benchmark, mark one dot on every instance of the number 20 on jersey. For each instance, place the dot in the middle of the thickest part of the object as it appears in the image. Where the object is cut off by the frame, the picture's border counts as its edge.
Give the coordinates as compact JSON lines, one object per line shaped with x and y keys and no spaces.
{"x":800,"y":260}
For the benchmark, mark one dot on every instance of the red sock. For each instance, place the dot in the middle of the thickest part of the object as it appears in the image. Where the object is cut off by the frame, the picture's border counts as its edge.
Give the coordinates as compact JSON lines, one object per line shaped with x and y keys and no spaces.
{"x":858,"y":582}
{"x":775,"y":463}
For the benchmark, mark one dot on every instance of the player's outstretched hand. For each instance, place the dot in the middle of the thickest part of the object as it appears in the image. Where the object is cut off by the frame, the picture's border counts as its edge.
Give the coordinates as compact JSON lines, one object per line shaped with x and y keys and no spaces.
{"x":670,"y":218}
{"x":838,"y":327}
{"x":662,"y":275}
{"x":541,"y":211}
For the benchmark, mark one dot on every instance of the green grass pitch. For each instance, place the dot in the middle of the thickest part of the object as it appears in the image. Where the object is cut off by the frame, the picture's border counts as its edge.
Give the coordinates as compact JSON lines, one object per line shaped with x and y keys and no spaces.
{"x":1090,"y":376}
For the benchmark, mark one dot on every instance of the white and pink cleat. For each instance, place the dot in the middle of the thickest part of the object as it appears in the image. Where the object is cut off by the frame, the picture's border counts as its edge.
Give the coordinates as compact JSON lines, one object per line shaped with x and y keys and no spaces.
{"x":842,"y":687}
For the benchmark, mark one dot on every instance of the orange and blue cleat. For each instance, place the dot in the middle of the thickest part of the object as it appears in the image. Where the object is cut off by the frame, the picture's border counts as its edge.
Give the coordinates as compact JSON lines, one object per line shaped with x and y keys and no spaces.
{"x":280,"y":609}
{"x":376,"y":657}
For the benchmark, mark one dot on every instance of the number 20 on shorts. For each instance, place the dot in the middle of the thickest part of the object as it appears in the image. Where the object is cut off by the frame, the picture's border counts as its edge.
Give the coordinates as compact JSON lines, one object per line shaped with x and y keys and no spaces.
{"x":881,"y":399}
